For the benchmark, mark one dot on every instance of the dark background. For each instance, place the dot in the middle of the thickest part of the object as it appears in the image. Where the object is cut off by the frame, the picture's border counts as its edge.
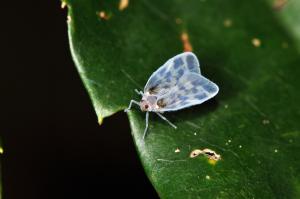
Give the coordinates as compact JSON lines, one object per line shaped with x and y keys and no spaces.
{"x":53,"y":145}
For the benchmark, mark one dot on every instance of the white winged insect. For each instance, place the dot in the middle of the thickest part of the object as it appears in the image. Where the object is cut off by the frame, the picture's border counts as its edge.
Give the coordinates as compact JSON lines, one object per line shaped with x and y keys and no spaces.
{"x":175,"y":85}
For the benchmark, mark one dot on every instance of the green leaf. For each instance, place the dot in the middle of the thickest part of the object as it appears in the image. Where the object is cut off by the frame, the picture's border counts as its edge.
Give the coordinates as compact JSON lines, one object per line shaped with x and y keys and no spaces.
{"x":249,"y":48}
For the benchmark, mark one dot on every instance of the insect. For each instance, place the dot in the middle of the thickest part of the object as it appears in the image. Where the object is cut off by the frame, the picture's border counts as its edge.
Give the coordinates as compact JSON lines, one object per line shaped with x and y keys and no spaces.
{"x":175,"y":85}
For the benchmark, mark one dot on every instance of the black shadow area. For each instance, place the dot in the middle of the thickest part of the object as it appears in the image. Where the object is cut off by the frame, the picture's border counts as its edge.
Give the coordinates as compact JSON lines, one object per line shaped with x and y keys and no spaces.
{"x":53,"y":145}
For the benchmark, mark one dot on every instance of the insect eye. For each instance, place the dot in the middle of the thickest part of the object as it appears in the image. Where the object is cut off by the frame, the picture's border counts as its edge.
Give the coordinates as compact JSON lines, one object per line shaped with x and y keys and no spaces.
{"x":146,"y":106}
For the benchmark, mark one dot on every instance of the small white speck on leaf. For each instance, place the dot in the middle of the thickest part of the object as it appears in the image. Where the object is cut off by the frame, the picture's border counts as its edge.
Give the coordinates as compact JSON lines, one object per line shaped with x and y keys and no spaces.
{"x":265,"y":121}
{"x":256,"y":42}
{"x":240,"y":146}
{"x":207,"y":177}
{"x":63,"y":5}
{"x":177,"y":150}
{"x":276,"y":150}
{"x":103,"y":15}
{"x":69,"y":18}
{"x":195,"y":133}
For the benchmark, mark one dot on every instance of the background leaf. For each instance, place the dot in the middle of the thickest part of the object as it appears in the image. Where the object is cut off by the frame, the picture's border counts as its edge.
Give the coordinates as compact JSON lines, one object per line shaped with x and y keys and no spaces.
{"x":249,"y":48}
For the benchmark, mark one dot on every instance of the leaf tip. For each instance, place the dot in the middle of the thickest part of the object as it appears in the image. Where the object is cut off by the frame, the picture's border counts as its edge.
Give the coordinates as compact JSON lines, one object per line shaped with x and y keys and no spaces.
{"x":100,"y":120}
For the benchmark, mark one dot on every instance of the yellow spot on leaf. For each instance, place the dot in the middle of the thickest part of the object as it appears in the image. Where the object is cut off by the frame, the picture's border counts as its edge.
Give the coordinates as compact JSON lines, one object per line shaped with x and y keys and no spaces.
{"x":207,"y":177}
{"x":227,"y":23}
{"x":1,"y":150}
{"x":123,"y":4}
{"x":187,"y":46}
{"x":256,"y":42}
{"x":212,"y":162}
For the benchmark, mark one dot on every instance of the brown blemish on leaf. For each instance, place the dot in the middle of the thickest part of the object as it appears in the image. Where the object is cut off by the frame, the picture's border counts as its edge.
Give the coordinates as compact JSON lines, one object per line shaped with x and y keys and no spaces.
{"x":187,"y":46}
{"x":210,"y":154}
{"x":279,"y":4}
{"x":178,"y":21}
{"x":123,"y":4}
{"x":256,"y":42}
{"x":195,"y":153}
{"x":103,"y":15}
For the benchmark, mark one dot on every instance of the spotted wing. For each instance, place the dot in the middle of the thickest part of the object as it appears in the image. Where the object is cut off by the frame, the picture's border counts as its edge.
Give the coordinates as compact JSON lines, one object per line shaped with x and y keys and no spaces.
{"x":168,"y":75}
{"x":192,"y":89}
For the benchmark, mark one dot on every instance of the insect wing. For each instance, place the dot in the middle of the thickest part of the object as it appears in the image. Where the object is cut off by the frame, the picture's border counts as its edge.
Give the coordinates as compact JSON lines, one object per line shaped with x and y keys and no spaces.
{"x":168,"y":75}
{"x":192,"y":89}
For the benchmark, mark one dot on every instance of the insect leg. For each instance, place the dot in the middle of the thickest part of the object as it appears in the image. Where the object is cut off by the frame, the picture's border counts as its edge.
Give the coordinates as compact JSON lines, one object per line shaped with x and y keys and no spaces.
{"x":139,"y":92}
{"x":146,"y":128}
{"x":164,"y":118}
{"x":130,"y":104}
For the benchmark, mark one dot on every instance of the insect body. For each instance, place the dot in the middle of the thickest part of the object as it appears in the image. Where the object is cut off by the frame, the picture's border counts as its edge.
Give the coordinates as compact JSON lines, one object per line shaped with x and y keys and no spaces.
{"x":175,"y":85}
